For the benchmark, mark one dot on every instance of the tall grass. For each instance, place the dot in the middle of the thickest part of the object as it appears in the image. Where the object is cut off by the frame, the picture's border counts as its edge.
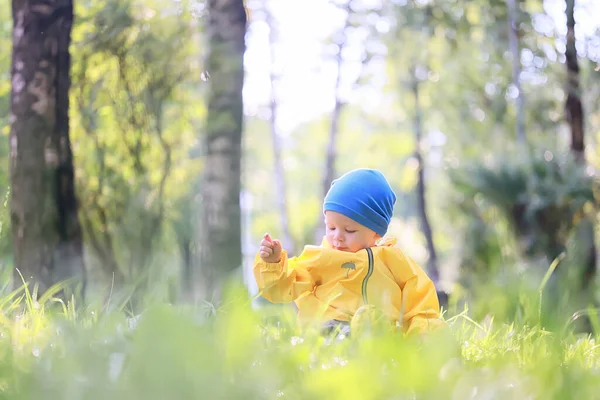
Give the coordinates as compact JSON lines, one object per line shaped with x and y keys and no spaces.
{"x":51,"y":350}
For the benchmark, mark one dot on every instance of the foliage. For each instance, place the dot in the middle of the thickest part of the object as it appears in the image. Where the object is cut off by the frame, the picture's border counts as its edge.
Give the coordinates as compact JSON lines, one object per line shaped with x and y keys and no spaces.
{"x":541,"y":196}
{"x":525,"y":215}
{"x":136,"y":107}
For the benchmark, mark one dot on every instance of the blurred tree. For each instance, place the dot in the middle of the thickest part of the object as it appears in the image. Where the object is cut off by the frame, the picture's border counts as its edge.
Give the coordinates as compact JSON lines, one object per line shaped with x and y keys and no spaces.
{"x":413,"y":73}
{"x":6,"y":253}
{"x":574,"y":106}
{"x":513,"y":35}
{"x":350,"y":48}
{"x":432,"y":260}
{"x":340,"y":39}
{"x":220,"y":227}
{"x":575,"y":118}
{"x":47,"y":236}
{"x":280,"y":180}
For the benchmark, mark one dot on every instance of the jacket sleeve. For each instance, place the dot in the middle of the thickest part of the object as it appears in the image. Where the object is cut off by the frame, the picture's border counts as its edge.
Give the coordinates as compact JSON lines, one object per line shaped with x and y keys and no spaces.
{"x":286,"y":280}
{"x":420,"y":308}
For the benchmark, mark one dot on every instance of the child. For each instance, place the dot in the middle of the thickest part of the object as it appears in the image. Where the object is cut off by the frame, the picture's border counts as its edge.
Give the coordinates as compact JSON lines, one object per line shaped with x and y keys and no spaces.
{"x":353,"y":266}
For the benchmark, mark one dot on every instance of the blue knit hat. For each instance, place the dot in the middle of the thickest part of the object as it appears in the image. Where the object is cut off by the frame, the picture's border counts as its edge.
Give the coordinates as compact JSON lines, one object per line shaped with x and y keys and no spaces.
{"x":363,"y":195}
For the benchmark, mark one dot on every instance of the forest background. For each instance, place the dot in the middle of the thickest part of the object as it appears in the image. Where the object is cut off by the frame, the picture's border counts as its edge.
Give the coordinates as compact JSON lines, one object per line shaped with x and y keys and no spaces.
{"x":483,"y":115}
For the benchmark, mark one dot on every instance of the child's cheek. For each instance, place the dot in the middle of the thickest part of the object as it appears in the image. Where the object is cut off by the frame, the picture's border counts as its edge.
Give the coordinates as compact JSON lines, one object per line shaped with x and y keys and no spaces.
{"x":329,"y":238}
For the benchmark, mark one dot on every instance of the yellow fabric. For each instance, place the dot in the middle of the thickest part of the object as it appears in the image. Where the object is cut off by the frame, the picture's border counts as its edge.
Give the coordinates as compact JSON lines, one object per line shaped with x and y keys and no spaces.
{"x":328,"y":284}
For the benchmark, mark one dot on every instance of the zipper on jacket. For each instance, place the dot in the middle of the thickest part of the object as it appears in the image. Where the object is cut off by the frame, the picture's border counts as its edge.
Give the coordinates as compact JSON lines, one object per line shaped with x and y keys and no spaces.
{"x":369,"y":273}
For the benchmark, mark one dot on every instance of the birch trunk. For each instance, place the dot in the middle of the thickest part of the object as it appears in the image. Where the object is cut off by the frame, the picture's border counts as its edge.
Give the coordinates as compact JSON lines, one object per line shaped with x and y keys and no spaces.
{"x":220,"y":228}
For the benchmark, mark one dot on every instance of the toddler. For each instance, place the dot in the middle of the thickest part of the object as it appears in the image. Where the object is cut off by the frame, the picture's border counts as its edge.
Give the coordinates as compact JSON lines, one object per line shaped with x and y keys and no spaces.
{"x":354,"y":266}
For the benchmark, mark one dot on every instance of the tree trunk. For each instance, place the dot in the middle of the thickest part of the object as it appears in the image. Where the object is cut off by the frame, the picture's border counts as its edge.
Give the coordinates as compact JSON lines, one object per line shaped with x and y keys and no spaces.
{"x":279,"y":169}
{"x":573,"y":106}
{"x":432,"y":264}
{"x":575,"y":118}
{"x":220,"y":230}
{"x":330,"y":151}
{"x":513,"y":34}
{"x":185,"y":251}
{"x":330,"y":157}
{"x":46,"y":232}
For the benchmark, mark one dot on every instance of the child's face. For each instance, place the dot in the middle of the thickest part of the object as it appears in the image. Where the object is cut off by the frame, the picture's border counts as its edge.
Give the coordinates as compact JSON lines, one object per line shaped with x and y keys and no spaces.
{"x":345,"y":234}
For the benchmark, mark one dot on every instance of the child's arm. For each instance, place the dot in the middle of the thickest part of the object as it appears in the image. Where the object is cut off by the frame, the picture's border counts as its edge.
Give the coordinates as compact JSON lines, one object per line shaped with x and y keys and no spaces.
{"x":286,"y":280}
{"x":420,"y":305}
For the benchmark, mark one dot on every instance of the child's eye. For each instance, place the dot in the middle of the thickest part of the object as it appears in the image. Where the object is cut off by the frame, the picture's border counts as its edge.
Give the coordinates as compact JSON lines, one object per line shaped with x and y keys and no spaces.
{"x":349,"y":231}
{"x":331,"y":228}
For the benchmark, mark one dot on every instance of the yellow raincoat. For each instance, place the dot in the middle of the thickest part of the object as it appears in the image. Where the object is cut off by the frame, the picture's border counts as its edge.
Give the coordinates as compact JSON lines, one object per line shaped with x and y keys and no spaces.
{"x":329,"y":284}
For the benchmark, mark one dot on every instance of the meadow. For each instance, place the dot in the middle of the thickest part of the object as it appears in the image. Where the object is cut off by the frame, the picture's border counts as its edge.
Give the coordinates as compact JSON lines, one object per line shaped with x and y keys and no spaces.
{"x":53,"y":350}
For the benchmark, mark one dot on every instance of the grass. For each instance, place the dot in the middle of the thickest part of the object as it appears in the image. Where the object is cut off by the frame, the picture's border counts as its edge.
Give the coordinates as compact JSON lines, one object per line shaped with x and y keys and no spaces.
{"x":58,"y":352}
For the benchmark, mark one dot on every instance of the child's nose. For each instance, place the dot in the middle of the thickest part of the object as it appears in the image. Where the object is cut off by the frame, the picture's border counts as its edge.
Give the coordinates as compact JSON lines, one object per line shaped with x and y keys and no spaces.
{"x":338,"y":236}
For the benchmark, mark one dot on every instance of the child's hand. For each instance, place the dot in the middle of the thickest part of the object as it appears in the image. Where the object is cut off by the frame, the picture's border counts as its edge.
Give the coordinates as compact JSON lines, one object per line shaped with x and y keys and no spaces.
{"x":270,"y":250}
